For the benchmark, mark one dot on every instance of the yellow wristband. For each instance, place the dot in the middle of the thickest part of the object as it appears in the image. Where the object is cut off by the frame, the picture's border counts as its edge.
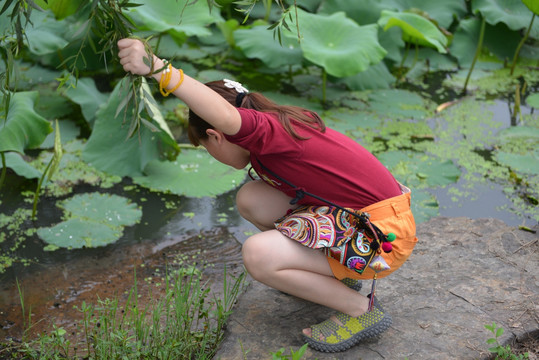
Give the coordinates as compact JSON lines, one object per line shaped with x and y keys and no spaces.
{"x":165,"y":80}
{"x":168,"y":92}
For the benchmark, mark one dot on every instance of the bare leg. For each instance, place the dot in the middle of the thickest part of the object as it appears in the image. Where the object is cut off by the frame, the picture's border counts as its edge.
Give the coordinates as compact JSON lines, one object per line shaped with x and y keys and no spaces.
{"x":286,"y":265}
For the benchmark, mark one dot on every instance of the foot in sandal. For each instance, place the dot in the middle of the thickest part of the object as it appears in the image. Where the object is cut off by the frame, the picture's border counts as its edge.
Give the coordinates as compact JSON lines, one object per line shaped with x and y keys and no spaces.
{"x":343,"y":331}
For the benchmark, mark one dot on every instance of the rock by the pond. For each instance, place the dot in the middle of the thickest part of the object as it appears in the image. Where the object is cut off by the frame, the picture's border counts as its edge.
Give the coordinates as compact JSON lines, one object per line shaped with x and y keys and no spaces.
{"x":463,"y":275}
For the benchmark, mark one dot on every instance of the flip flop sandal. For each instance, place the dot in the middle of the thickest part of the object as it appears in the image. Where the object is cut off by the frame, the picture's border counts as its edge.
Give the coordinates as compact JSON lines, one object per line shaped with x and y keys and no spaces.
{"x":352,"y":283}
{"x":354,"y":329}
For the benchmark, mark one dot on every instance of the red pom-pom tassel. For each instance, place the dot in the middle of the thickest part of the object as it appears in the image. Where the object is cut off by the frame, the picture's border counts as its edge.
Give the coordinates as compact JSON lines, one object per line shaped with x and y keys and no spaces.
{"x":387,"y":247}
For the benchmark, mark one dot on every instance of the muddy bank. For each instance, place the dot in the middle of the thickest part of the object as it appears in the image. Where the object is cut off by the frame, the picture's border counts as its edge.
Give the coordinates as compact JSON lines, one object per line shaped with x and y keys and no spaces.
{"x":52,"y":295}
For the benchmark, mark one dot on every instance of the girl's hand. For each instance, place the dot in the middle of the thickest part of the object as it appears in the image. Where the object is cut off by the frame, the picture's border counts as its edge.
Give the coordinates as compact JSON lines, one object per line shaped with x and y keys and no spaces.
{"x":132,"y":54}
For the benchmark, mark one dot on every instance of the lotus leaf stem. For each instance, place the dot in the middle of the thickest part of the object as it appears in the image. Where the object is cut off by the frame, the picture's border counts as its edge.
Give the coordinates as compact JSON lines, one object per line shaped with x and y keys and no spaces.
{"x":517,"y":51}
{"x":477,"y":52}
{"x":4,"y":169}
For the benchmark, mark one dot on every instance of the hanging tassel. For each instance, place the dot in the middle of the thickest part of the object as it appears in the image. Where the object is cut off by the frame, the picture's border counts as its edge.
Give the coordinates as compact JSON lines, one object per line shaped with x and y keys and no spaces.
{"x":377,"y":264}
{"x":373,"y":288}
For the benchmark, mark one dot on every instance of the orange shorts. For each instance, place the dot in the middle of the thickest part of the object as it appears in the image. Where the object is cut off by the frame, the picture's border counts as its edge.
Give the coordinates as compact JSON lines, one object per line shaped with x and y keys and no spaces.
{"x":390,"y":215}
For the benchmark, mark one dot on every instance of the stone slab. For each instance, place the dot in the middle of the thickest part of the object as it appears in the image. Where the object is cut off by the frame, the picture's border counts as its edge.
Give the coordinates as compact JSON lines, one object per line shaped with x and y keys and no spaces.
{"x":462,"y":275}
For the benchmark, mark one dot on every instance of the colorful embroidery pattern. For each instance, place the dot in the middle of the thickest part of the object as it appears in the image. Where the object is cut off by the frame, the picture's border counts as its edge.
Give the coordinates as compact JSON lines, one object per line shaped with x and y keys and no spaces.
{"x":331,"y":229}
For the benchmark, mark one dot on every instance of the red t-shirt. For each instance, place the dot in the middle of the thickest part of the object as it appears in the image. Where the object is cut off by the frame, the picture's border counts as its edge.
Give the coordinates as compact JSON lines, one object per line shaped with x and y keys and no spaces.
{"x":329,"y":165}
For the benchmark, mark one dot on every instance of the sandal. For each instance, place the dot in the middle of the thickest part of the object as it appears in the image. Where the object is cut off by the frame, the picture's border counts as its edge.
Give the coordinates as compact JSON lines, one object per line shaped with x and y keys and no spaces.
{"x":354,"y":329}
{"x":352,"y":283}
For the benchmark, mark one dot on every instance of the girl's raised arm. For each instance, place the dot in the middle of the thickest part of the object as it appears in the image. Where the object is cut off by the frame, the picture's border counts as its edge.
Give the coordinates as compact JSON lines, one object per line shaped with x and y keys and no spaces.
{"x":205,"y":102}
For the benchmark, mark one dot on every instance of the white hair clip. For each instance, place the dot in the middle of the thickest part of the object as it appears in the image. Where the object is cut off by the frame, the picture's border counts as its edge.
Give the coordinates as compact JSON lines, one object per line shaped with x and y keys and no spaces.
{"x":235,"y":85}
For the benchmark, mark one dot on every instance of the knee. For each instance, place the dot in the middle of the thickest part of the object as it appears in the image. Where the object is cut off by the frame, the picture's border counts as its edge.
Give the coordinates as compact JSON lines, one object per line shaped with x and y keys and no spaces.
{"x":253,"y":253}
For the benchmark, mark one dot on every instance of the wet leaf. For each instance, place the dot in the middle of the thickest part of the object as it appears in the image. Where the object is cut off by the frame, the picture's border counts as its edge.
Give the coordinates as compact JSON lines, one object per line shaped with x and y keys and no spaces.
{"x":93,"y":220}
{"x":195,"y":173}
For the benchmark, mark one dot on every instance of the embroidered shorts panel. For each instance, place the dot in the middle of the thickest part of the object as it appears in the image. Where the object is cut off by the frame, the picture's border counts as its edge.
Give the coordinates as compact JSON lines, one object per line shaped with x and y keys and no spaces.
{"x":390,"y":215}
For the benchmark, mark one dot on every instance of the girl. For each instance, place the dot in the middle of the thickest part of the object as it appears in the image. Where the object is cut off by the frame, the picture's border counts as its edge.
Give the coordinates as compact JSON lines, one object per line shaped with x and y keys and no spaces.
{"x":293,"y":153}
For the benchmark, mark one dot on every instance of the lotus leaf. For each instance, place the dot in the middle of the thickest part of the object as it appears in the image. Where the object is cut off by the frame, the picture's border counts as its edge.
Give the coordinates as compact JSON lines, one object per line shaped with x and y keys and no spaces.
{"x":524,"y":163}
{"x":418,"y":170}
{"x":375,"y":77}
{"x":398,"y":104}
{"x":64,"y":8}
{"x":415,"y":29}
{"x":195,"y":173}
{"x":519,"y":149}
{"x":424,"y":205}
{"x":338,"y":44}
{"x":16,"y":163}
{"x":85,"y":93}
{"x":23,"y":128}
{"x":259,"y":43}
{"x":177,"y":17}
{"x":108,"y":149}
{"x":533,"y":5}
{"x":44,"y":36}
{"x":94,"y":220}
{"x":533,"y":100}
{"x":512,"y":13}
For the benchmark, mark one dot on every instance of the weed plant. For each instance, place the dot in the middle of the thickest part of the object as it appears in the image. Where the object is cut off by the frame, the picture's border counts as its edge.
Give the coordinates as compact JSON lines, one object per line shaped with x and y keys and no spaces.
{"x":186,"y":323}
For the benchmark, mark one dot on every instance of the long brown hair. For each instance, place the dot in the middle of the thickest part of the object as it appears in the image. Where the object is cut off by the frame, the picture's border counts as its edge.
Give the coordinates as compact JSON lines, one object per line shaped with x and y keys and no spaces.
{"x":287,"y":115}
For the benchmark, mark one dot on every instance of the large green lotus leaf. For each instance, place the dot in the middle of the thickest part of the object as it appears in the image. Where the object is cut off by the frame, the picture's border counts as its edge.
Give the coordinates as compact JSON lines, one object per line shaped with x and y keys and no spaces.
{"x":45,"y":34}
{"x":533,"y":5}
{"x":64,"y":8}
{"x":415,"y":29}
{"x":23,"y":128}
{"x":362,"y":12}
{"x":110,"y":151}
{"x":398,"y":104}
{"x":376,"y":76}
{"x":179,"y":16}
{"x":338,"y":44}
{"x":78,"y":233}
{"x":424,"y":205}
{"x":442,"y":11}
{"x":418,"y":170}
{"x":368,"y":11}
{"x":93,"y":220}
{"x":194,"y":173}
{"x":524,"y":163}
{"x":512,"y":13}
{"x":259,"y":43}
{"x":533,"y":100}
{"x":519,"y":149}
{"x":85,"y":93}
{"x":113,"y":210}
{"x":500,"y":40}
{"x":16,"y":163}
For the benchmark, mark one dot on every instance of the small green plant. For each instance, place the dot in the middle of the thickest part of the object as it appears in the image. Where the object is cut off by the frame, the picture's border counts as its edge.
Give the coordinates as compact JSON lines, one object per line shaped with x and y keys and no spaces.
{"x":280,"y":354}
{"x":502,"y":352}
